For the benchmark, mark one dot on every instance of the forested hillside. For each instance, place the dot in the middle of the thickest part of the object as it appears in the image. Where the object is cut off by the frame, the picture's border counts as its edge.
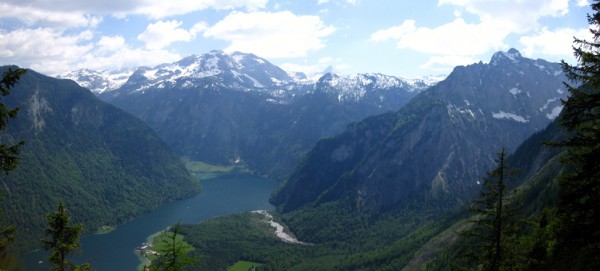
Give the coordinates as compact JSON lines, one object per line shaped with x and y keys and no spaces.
{"x":106,"y":166}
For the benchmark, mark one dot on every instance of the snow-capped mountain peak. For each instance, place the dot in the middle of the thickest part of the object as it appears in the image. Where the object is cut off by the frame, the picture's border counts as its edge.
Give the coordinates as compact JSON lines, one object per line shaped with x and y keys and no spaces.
{"x":98,"y":81}
{"x":355,"y":87}
{"x":512,"y":55}
{"x":237,"y":70}
{"x":245,"y":72}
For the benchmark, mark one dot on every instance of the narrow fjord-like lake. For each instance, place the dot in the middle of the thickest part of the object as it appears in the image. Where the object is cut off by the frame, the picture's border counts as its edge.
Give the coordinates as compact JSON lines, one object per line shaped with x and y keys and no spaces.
{"x":223,"y":195}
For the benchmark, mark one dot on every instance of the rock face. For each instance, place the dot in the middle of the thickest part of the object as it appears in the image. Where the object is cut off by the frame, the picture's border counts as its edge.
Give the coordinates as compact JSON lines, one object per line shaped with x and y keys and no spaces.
{"x":433,"y":151}
{"x":101,"y":161}
{"x":239,"y":108}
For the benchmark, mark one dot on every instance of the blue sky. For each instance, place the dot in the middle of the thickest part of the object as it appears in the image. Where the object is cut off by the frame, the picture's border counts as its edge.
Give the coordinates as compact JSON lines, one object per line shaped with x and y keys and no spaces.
{"x":395,"y":37}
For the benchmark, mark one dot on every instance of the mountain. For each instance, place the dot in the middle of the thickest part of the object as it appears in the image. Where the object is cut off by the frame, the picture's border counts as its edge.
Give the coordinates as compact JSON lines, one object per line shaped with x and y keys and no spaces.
{"x":389,"y":193}
{"x":98,"y":81}
{"x":431,"y":153}
{"x":240,"y":109}
{"x":106,"y":165}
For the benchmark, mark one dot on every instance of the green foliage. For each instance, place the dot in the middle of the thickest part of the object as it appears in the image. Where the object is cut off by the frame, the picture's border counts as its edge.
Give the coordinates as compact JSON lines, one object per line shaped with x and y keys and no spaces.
{"x":172,"y":252}
{"x":223,"y":241}
{"x":578,"y":209}
{"x":494,"y":228}
{"x":9,"y":79}
{"x":245,"y":266}
{"x":387,"y":243}
{"x":8,"y":162}
{"x":62,"y":239}
{"x":9,"y":153}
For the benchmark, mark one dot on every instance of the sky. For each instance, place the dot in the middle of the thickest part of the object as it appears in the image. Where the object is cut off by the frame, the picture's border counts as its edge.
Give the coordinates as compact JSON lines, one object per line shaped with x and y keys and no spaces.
{"x":396,"y":37}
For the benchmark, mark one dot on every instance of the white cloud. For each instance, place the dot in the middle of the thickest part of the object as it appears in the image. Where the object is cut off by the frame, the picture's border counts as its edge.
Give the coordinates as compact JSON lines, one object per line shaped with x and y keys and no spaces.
{"x":32,"y":15}
{"x":275,"y":35}
{"x":110,"y":44}
{"x":520,"y":15}
{"x":43,"y":49}
{"x":162,"y":33}
{"x":556,"y":42}
{"x":446,"y":63}
{"x":583,"y":3}
{"x":87,"y":13}
{"x":124,"y":57}
{"x":316,"y":68}
{"x":51,"y":51}
{"x":161,"y":8}
{"x":460,"y":42}
{"x":198,"y":28}
{"x":454,"y":38}
{"x":339,"y":2}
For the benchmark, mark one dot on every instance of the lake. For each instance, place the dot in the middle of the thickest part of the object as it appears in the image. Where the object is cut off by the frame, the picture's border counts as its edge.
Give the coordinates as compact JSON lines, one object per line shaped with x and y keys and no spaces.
{"x":114,"y":251}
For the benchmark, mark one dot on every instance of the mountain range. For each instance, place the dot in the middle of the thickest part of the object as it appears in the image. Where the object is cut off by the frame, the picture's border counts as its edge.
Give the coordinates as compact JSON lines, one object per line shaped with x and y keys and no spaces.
{"x":431,"y":154}
{"x":229,"y":109}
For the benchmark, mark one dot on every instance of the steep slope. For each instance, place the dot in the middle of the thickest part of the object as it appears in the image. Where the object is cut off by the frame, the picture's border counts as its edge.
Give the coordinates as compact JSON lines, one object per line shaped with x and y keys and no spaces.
{"x":240,"y":109}
{"x":106,"y":165}
{"x":536,"y":185}
{"x":432,"y":152}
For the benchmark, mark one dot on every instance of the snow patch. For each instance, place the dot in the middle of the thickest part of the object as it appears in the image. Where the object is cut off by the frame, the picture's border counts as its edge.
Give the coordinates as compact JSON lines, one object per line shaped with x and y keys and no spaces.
{"x":514,"y":91}
{"x":238,"y":57}
{"x":150,"y":74}
{"x":545,"y":106}
{"x":259,"y":60}
{"x":187,"y":84}
{"x":453,"y":108}
{"x":541,"y":67}
{"x":554,"y":113}
{"x":505,"y":115}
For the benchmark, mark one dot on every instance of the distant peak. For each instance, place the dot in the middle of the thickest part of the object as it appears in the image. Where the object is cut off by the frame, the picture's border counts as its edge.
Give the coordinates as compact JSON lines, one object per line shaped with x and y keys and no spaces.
{"x":514,"y":51}
{"x":513,"y":55}
{"x":216,"y":52}
{"x":329,"y":69}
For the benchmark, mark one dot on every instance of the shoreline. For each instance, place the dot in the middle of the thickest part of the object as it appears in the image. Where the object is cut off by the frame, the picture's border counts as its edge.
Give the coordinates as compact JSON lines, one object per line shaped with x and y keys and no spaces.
{"x":104,"y":229}
{"x":143,"y":260}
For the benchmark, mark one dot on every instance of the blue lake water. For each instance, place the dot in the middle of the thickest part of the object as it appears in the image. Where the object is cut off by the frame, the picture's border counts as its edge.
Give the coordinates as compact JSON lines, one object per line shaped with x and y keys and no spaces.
{"x":223,"y":195}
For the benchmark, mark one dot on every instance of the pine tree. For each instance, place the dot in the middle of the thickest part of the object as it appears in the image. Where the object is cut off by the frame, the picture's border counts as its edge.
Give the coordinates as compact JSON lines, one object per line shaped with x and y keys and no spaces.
{"x":63,"y":239}
{"x":8,"y":161}
{"x":8,"y":153}
{"x":493,"y":224}
{"x":578,"y":234}
{"x":174,"y":254}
